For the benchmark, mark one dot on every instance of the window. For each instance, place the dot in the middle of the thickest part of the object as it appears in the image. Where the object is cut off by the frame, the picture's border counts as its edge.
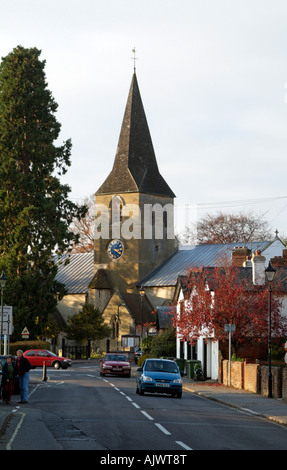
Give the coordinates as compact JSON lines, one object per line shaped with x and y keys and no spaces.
{"x":31,"y":353}
{"x":43,"y":354}
{"x":117,"y":208}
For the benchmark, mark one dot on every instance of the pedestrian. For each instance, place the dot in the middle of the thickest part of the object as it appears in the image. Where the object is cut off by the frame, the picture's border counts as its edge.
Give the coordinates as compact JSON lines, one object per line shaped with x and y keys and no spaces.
{"x":23,"y":367}
{"x":8,"y":376}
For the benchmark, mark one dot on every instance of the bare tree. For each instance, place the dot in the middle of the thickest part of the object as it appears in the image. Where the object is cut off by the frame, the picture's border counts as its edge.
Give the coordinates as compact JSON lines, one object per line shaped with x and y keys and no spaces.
{"x":84,"y":227}
{"x":227,"y":228}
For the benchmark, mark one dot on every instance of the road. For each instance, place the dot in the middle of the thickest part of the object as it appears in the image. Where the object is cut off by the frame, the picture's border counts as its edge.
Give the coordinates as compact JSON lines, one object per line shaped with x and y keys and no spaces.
{"x":76,"y":409}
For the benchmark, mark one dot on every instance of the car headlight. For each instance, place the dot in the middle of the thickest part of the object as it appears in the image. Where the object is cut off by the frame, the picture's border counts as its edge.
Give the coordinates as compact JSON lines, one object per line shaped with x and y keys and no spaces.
{"x":177,"y":381}
{"x":146,"y":378}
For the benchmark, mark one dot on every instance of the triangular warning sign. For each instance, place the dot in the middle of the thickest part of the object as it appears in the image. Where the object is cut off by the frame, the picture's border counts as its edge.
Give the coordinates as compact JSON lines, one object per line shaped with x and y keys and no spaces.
{"x":25,"y":331}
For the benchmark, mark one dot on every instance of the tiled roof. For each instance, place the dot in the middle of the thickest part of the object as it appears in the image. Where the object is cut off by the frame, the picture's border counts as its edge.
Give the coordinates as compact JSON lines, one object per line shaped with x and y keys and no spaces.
{"x":133,"y":303}
{"x":165,"y":316}
{"x":186,"y":257}
{"x":77,"y":274}
{"x":100,"y":280}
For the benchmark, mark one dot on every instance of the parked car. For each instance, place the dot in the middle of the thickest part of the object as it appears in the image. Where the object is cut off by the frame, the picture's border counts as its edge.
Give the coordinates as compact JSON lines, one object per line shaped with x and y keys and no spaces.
{"x":16,"y":381}
{"x":159,"y":376}
{"x":37,"y":357}
{"x":115,"y":364}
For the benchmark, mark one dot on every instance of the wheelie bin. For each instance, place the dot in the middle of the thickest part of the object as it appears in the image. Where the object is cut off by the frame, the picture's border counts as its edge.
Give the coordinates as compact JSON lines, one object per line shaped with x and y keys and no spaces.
{"x":181,"y":364}
{"x":190,"y":367}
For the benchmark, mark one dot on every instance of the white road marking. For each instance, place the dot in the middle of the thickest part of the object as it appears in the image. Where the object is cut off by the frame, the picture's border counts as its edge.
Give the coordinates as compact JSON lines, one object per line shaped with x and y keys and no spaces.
{"x":8,"y":447}
{"x":163,"y":429}
{"x":147,"y":415}
{"x":183,"y":445}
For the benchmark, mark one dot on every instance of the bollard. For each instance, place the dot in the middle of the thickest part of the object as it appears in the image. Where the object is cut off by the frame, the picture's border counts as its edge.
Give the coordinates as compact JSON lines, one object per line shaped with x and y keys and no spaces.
{"x":44,"y":378}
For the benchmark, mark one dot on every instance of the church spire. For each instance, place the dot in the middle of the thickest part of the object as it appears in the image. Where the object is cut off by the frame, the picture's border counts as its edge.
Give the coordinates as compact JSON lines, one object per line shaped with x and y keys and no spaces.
{"x":135,"y":168}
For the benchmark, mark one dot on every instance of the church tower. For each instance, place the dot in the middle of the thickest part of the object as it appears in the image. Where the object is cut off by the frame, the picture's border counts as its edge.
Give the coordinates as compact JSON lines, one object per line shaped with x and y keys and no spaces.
{"x":134,"y":230}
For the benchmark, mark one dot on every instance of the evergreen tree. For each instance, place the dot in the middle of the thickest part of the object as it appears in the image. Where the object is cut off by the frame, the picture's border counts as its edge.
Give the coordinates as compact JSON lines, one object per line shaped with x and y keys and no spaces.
{"x":89,"y":323}
{"x":35,"y":212}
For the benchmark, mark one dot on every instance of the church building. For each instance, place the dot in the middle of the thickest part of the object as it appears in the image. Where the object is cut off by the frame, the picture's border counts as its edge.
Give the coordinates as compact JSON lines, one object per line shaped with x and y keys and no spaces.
{"x":134,"y":234}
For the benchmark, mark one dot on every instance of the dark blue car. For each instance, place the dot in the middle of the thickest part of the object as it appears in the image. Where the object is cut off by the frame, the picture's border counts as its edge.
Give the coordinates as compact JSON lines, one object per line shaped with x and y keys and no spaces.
{"x":159,"y":376}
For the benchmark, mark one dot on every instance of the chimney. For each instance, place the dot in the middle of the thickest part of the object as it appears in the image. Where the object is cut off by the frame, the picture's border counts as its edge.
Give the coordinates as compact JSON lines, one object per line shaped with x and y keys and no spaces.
{"x":258,"y":268}
{"x":280,"y":261}
{"x":239,"y":256}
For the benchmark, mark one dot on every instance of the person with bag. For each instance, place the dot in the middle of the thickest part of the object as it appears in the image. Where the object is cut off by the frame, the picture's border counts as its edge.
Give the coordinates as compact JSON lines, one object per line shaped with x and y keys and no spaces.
{"x":23,"y":367}
{"x":8,"y":377}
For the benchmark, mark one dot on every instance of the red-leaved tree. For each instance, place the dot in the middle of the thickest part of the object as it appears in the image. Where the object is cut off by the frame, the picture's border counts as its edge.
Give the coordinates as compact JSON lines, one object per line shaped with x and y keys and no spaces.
{"x":219,"y":296}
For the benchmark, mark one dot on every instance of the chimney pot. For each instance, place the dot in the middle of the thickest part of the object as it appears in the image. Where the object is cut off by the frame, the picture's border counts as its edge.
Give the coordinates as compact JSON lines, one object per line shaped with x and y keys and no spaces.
{"x":258,"y":268}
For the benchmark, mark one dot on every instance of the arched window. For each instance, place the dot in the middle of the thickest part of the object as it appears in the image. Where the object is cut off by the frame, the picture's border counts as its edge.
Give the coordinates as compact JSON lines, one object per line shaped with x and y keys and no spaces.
{"x":117,"y":209}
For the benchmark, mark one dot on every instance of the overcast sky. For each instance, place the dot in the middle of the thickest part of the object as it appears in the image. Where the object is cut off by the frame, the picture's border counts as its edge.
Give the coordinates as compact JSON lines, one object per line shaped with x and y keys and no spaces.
{"x":213,"y":79}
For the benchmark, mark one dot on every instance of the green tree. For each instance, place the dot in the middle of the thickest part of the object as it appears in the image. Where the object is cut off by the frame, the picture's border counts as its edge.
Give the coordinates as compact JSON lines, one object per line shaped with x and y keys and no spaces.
{"x":88,"y":323}
{"x":35,"y":213}
{"x":164,"y":344}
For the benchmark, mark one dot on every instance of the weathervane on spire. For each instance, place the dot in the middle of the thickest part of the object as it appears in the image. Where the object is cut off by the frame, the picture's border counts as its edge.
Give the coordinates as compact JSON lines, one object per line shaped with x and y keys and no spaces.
{"x":134,"y":58}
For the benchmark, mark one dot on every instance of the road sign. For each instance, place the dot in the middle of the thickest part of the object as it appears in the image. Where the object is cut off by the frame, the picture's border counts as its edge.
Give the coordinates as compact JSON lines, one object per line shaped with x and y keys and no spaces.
{"x":7,"y":320}
{"x":229,"y":328}
{"x":25,"y":333}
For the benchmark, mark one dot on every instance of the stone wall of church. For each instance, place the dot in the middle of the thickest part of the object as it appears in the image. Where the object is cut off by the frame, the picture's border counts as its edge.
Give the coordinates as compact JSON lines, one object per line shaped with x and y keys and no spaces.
{"x":116,"y":314}
{"x":99,"y":298}
{"x":143,"y":251}
{"x":70,"y":305}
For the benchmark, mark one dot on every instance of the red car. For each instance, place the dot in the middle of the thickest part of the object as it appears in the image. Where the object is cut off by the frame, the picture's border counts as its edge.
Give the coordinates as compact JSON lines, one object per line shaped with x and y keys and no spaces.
{"x":115,"y":364}
{"x":37,"y":357}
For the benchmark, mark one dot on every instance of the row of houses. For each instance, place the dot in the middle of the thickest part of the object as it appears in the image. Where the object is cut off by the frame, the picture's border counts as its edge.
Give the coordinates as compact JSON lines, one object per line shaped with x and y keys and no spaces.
{"x":251,"y":269}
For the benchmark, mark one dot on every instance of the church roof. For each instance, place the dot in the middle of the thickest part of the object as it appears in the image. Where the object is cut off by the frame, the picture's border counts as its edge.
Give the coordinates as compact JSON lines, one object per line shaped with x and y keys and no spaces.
{"x":100,"y":280}
{"x":135,"y":167}
{"x":194,"y":256}
{"x":133,"y":303}
{"x":76,"y":271}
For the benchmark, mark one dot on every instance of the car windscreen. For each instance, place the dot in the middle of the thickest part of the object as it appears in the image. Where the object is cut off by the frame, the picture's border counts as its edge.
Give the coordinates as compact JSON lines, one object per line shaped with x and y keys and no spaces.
{"x":161,"y":366}
{"x":115,"y":357}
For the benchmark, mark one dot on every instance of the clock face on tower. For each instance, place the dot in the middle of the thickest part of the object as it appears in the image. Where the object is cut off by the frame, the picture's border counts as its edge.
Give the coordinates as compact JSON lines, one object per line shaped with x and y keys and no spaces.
{"x":115,"y":249}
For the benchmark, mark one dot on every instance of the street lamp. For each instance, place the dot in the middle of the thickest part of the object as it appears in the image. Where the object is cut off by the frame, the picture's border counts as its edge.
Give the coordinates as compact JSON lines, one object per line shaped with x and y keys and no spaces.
{"x":269,"y":273}
{"x":118,"y":324}
{"x":3,"y":280}
{"x":142,"y":294}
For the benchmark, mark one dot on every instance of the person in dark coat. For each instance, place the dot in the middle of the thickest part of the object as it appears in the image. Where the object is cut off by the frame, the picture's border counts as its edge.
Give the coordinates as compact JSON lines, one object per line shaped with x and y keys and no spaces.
{"x":8,"y":378}
{"x":23,"y":367}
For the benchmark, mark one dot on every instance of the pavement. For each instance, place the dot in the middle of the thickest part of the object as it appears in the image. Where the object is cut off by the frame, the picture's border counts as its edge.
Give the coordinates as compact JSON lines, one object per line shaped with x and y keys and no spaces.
{"x":274,"y":409}
{"x":255,"y":404}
